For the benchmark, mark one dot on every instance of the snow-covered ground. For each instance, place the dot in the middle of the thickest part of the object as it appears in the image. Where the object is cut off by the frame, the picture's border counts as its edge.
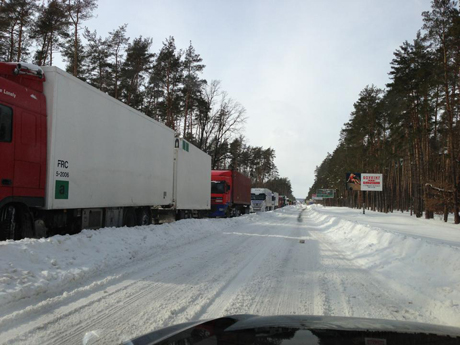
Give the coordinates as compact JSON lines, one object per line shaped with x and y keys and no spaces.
{"x":121,"y":283}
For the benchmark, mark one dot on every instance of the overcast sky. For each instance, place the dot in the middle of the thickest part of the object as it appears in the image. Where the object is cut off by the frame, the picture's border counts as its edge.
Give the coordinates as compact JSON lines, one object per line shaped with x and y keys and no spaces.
{"x":296,"y":66}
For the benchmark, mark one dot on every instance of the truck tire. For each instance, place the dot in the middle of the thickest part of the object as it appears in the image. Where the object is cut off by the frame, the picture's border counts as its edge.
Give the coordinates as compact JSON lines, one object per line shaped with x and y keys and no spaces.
{"x":16,"y":223}
{"x":129,"y":217}
{"x":8,"y":222}
{"x":75,"y":225}
{"x":144,"y":217}
{"x":27,"y":224}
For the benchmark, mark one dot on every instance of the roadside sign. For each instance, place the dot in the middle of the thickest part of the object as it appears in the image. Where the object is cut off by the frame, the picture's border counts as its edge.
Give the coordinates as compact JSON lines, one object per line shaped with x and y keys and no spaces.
{"x":365,"y":182}
{"x":353,"y":181}
{"x":325,"y":193}
{"x":371,"y":182}
{"x":315,"y":197}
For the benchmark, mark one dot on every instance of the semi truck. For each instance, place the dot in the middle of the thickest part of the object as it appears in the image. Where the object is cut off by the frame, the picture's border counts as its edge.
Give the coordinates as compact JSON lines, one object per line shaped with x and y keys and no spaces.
{"x":276,"y":198}
{"x":262,"y":199}
{"x":72,"y":158}
{"x":230,"y":193}
{"x":282,"y":201}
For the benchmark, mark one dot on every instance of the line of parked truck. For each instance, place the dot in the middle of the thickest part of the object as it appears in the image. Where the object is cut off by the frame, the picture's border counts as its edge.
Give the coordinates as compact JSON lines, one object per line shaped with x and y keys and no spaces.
{"x":72,"y":158}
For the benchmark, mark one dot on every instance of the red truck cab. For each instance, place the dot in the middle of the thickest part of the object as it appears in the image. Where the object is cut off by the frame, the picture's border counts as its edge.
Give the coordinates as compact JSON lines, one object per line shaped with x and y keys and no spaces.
{"x":23,"y":135}
{"x":230,"y":193}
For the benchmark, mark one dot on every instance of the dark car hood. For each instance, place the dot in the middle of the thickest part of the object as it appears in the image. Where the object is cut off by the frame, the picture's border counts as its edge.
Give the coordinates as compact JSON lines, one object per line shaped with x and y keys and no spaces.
{"x":316,"y":325}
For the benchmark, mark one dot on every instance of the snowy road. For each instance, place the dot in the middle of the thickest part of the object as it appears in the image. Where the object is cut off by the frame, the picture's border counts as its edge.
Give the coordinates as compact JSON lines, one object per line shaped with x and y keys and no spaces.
{"x":255,"y":266}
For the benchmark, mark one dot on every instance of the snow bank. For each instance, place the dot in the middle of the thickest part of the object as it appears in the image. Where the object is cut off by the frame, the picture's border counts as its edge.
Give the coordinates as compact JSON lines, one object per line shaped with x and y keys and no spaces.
{"x":418,"y":267}
{"x":35,"y":266}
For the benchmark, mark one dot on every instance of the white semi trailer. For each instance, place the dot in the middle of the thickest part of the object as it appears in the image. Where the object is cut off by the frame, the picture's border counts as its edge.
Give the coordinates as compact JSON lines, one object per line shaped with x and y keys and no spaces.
{"x":276,"y":200}
{"x":78,"y":158}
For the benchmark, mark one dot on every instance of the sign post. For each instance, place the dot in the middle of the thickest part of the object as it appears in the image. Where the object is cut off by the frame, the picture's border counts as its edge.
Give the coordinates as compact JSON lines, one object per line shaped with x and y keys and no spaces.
{"x":364,"y":202}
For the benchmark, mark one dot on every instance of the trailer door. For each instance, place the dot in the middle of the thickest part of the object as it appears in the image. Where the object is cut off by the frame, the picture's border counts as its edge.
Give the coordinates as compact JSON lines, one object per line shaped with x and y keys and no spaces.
{"x":6,"y":152}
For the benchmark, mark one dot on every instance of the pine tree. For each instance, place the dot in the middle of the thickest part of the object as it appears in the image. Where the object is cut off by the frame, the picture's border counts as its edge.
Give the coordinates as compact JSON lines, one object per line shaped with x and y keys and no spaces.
{"x":168,"y":72}
{"x":192,"y":86}
{"x":67,"y":48}
{"x":15,"y":19}
{"x":439,"y":26}
{"x":4,"y":26}
{"x":117,"y":44}
{"x":97,"y":69}
{"x":49,"y":30}
{"x":77,"y":12}
{"x":135,"y":70}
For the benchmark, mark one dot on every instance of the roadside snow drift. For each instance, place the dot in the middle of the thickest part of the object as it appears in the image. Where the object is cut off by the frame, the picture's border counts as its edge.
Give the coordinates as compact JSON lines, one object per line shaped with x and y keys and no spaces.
{"x":421,"y":268}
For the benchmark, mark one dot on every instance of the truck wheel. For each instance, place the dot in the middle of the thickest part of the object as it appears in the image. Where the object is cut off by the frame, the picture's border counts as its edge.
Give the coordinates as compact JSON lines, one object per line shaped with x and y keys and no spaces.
{"x":75,"y":226}
{"x":27,"y":224}
{"x":8,"y":222}
{"x":16,"y":223}
{"x":144,"y":216}
{"x":129,"y":218}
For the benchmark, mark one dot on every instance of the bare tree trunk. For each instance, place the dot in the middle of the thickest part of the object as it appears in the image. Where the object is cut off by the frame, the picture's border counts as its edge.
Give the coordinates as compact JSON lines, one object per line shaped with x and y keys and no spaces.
{"x":20,"y":41}
{"x":45,"y":44}
{"x":10,"y":57}
{"x":116,"y":75}
{"x":75,"y":52}
{"x":169,"y":118}
{"x":50,"y":49}
{"x":186,"y":112}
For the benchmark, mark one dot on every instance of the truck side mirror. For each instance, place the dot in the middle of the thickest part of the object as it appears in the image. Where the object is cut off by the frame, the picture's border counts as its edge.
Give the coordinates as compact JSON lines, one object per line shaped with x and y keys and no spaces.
{"x":228,"y":188}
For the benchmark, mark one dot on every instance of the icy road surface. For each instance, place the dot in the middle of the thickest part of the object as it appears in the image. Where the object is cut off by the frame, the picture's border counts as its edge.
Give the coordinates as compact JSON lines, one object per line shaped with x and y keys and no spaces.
{"x":121,"y":283}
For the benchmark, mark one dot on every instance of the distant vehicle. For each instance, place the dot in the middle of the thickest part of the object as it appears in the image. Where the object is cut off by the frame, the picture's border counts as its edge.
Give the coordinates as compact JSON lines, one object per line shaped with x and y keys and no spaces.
{"x":262,"y":199}
{"x":230,"y":193}
{"x":281,"y":201}
{"x":275,"y":198}
{"x":298,"y":329}
{"x":73,"y":158}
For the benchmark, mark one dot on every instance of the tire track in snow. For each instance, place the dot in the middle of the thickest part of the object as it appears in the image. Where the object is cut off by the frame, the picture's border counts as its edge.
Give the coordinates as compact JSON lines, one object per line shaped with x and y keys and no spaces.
{"x":224,"y":296}
{"x":167,"y":271}
{"x":197,"y":288}
{"x":355,"y":291}
{"x":285,"y":284}
{"x":163,"y":298}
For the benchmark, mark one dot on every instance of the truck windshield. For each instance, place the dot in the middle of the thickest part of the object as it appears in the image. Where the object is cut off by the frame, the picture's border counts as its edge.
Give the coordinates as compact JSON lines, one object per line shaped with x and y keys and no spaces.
{"x":6,"y":124}
{"x":257,"y":196}
{"x":217,"y":187}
